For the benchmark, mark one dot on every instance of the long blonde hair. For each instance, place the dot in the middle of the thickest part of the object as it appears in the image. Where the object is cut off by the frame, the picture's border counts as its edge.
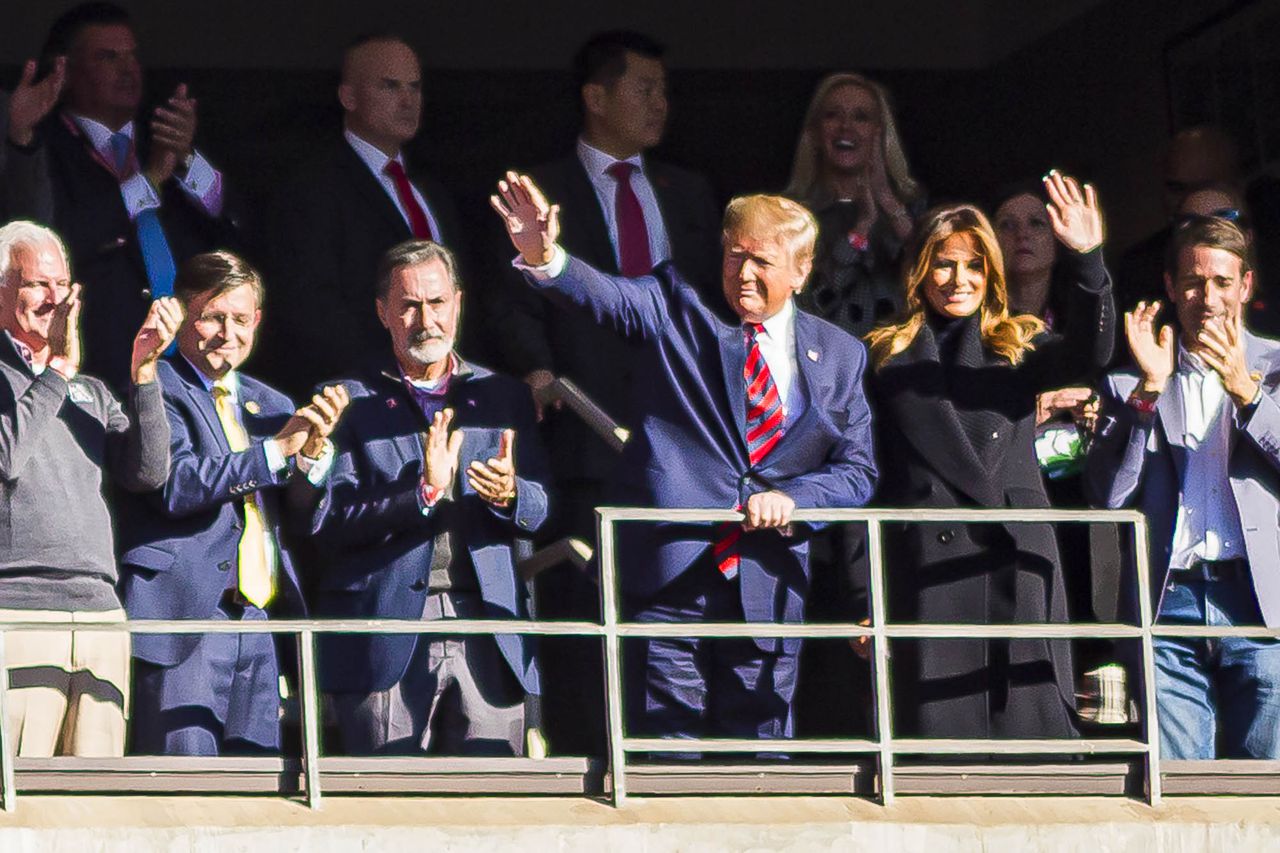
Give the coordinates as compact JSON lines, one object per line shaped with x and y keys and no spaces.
{"x":1009,"y":336}
{"x":806,"y":182}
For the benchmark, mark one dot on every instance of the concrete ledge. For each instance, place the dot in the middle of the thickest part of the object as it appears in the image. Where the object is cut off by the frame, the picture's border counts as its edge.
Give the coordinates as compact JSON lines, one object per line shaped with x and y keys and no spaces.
{"x":938,"y":825}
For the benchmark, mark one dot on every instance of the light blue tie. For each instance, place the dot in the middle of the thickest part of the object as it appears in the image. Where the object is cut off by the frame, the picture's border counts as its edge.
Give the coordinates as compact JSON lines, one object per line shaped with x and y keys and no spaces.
{"x":156,"y":255}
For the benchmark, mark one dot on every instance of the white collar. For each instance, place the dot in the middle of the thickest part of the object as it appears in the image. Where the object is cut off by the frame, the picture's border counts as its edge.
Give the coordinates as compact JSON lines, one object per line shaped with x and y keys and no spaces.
{"x":1189,"y":363}
{"x":778,"y":325}
{"x":231,"y":381}
{"x":371,"y":154}
{"x":597,"y":163}
{"x":99,"y":134}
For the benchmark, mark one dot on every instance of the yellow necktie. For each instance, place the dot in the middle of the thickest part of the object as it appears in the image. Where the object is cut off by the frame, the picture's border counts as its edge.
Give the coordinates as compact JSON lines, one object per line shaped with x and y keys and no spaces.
{"x":255,"y":582}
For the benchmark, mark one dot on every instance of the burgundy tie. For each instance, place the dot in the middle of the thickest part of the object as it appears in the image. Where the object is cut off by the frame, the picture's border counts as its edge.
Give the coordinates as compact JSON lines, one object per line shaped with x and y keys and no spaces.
{"x":633,"y":236}
{"x":418,"y":223}
{"x":765,"y":417}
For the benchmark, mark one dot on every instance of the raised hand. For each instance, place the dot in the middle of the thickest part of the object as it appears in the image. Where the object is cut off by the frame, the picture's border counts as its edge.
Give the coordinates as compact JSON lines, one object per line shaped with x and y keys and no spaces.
{"x":161,"y":324}
{"x":532,"y":224}
{"x":1152,"y":348}
{"x":495,"y":480}
{"x":173,"y":127}
{"x":1074,"y":213}
{"x":30,"y":101}
{"x":1079,"y":402}
{"x":64,"y":335}
{"x":324,"y":413}
{"x":1221,"y":345}
{"x":540,"y":382}
{"x":440,"y":452}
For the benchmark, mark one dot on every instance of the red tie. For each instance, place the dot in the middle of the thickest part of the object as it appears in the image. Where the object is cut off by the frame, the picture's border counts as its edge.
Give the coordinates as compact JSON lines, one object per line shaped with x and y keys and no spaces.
{"x":633,"y":236}
{"x":418,"y":223}
{"x":765,"y":417}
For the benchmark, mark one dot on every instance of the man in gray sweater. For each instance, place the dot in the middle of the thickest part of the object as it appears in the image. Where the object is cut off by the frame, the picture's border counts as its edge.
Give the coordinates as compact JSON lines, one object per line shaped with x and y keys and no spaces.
{"x":59,"y":432}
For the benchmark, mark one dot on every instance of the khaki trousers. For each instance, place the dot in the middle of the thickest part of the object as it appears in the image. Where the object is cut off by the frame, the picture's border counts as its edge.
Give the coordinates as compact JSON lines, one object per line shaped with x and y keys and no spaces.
{"x":68,"y":691}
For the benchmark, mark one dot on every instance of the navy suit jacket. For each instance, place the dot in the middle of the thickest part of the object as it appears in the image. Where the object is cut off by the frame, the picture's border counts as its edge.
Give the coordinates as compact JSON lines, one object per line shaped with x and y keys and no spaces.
{"x":181,"y":545}
{"x":691,"y":450}
{"x":376,"y":542}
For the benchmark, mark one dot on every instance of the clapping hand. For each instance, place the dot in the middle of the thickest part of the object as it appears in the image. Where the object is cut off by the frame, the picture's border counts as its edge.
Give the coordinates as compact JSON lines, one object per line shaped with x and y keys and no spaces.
{"x":308,"y":428}
{"x":173,"y":134}
{"x":495,"y":480}
{"x":1152,"y":348}
{"x":1221,"y":346}
{"x":64,"y":335}
{"x":32,"y":101}
{"x":1074,"y":213}
{"x":440,"y":452}
{"x":162,"y":322}
{"x":1079,"y":402}
{"x":532,"y":224}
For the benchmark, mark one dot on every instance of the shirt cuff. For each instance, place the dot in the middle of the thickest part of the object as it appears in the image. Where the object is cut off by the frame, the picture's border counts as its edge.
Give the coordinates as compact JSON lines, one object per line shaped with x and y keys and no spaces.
{"x":275,"y":459}
{"x":551,"y":269}
{"x":428,"y":497}
{"x":204,"y":184}
{"x":138,"y":195}
{"x":317,"y":470}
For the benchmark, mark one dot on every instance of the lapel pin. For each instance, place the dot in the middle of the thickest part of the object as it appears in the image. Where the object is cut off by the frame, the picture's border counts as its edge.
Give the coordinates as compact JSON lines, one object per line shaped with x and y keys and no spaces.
{"x":392,"y":403}
{"x":252,"y":407}
{"x":471,"y":403}
{"x":813,"y":354}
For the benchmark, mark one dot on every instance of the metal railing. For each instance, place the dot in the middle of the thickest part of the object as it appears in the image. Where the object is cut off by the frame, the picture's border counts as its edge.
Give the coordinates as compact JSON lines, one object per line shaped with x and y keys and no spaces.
{"x":884,"y":746}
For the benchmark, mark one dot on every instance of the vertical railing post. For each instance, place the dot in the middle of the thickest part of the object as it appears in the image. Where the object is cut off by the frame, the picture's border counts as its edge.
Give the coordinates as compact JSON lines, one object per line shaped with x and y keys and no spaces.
{"x":1151,"y":723}
{"x":6,"y":752}
{"x":880,"y":650}
{"x":612,"y":655}
{"x":310,"y":710}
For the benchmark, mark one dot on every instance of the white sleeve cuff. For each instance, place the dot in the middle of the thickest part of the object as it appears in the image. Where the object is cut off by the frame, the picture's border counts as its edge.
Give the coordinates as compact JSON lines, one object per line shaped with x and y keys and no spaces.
{"x":275,"y":459}
{"x":138,"y":195}
{"x":204,"y":183}
{"x":551,"y":269}
{"x":317,"y":470}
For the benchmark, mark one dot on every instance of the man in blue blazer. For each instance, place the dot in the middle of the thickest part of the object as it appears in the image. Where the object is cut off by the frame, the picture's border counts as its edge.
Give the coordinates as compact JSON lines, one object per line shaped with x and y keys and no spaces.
{"x":429,"y":495}
{"x":208,"y":545}
{"x":765,"y":416}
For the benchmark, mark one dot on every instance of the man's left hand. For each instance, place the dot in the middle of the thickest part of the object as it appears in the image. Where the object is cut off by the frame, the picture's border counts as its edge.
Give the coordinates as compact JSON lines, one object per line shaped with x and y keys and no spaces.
{"x":1222,"y":348}
{"x":767,"y":510}
{"x":173,"y":126}
{"x":163,"y":320}
{"x":495,"y":480}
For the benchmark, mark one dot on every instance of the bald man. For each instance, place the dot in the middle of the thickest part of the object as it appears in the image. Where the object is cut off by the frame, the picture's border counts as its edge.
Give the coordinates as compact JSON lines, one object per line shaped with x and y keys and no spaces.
{"x":343,"y":210}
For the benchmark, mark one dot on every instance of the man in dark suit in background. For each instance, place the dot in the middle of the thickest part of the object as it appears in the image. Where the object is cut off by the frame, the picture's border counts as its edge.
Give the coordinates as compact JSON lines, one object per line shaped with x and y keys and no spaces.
{"x":624,"y":213}
{"x":336,"y":218}
{"x":131,"y":202}
{"x":439,"y":473}
{"x":208,"y":545}
{"x":765,"y":414}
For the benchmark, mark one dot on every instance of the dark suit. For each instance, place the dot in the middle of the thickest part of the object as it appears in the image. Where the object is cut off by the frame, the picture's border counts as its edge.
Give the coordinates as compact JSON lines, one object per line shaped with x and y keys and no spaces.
{"x":180,"y":560}
{"x":692,"y":452}
{"x":956,"y":426}
{"x":378,"y":543}
{"x":90,"y":216}
{"x":331,"y":225}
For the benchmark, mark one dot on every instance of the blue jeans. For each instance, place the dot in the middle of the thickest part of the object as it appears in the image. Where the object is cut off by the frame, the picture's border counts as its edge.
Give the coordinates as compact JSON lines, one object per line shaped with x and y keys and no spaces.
{"x":1218,"y":698}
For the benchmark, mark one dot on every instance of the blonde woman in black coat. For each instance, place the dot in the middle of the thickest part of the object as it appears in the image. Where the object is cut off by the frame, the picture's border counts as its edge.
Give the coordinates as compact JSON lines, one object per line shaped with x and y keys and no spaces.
{"x":954,"y":386}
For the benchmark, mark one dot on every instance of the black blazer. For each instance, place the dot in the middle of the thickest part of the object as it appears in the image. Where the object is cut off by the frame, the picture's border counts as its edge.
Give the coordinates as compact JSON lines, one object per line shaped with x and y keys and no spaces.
{"x":538,"y":334}
{"x":330,"y":225}
{"x":89,"y":214}
{"x":944,"y":571}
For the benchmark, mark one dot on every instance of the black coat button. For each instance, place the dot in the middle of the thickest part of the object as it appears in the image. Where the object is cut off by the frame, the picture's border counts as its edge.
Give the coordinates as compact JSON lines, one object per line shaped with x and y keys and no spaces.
{"x":418,"y":586}
{"x":946,"y":536}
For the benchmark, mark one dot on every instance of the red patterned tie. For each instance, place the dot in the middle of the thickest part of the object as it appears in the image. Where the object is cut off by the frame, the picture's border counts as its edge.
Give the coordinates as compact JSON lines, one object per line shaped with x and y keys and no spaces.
{"x":418,"y":223}
{"x":765,"y":417}
{"x":633,"y":236}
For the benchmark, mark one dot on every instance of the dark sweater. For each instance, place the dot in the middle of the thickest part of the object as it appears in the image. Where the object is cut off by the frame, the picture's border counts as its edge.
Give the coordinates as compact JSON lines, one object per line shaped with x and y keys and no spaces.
{"x":56,"y":438}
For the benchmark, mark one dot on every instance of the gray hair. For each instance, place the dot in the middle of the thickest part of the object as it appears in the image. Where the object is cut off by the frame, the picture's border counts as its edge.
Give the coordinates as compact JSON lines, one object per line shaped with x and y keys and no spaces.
{"x":410,"y":253}
{"x":23,"y":233}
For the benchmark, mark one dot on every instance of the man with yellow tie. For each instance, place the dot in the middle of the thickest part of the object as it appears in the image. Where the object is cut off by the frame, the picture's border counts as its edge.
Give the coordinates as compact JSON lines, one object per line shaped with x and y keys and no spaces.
{"x":208,"y":545}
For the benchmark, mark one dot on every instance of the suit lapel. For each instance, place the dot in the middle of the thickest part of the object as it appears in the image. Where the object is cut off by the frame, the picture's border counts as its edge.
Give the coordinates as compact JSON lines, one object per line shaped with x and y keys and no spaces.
{"x":365,"y":185}
{"x":733,"y":360}
{"x":201,"y":400}
{"x":592,"y":231}
{"x":1170,"y":407}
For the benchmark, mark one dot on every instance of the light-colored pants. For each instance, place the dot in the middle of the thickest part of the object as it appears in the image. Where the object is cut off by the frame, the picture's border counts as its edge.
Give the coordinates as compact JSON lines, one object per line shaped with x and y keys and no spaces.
{"x":68,"y":691}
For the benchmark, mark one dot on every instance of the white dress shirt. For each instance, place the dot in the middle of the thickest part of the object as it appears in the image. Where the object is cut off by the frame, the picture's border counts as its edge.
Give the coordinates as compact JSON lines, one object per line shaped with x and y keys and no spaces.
{"x":377,"y":163}
{"x":202,"y":182}
{"x":778,"y":346}
{"x":1208,"y":523}
{"x":596,"y":162}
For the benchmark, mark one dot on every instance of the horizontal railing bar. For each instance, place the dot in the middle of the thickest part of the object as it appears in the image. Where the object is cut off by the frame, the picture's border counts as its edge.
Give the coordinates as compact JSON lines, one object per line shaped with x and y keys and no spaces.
{"x":952,"y":746}
{"x":1254,"y":631}
{"x":981,"y":516}
{"x":634,"y":744}
{"x":897,"y":632}
{"x":335,"y":626}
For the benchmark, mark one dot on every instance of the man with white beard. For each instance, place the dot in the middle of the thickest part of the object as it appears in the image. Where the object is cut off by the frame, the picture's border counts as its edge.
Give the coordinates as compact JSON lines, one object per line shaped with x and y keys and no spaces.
{"x":439,"y":472}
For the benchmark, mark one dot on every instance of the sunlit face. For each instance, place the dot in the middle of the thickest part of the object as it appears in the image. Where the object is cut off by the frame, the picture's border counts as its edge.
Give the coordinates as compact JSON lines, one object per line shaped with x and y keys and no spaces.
{"x":382,"y":94}
{"x":850,"y":127}
{"x":956,"y":282}
{"x":218,"y":333}
{"x":1209,"y":287}
{"x":421,"y":311}
{"x":38,"y":280}
{"x":104,"y":77}
{"x":630,"y":114}
{"x":1026,"y":236}
{"x":759,"y":275}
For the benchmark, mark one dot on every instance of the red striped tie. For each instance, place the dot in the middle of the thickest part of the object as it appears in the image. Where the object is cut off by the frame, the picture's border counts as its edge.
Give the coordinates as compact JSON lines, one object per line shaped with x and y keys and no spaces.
{"x":418,"y":222}
{"x":765,"y":417}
